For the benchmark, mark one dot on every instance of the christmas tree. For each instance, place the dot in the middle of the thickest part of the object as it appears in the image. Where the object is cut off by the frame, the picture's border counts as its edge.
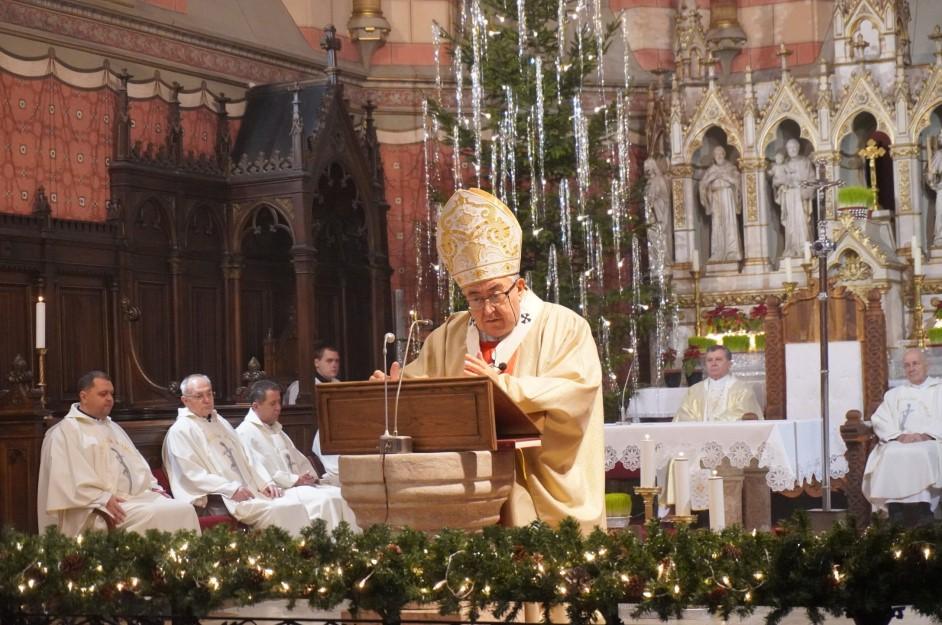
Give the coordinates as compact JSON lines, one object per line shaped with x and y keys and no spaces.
{"x":532,"y":120}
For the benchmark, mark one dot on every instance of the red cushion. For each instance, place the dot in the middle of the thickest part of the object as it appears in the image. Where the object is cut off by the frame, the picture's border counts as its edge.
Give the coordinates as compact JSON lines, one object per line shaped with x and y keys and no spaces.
{"x":205,"y":521}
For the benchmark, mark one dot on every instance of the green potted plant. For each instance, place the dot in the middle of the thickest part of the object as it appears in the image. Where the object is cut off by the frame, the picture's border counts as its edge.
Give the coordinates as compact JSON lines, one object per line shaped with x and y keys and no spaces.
{"x":856,"y":201}
{"x":736,"y":342}
{"x":701,"y":342}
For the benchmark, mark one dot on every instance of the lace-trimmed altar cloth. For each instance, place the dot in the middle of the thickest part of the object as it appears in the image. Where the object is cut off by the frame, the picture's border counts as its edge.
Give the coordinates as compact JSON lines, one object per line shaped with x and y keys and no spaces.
{"x":790,"y":450}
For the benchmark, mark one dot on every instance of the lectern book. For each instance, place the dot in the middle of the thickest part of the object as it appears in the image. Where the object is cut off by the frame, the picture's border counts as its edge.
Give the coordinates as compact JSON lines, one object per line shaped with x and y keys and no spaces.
{"x":440,"y":414}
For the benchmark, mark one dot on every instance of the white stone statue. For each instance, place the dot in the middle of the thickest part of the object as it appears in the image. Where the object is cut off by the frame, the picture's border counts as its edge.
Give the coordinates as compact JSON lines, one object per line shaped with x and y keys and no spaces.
{"x":657,"y":202}
{"x":934,"y":180}
{"x":793,"y":198}
{"x":721,"y":199}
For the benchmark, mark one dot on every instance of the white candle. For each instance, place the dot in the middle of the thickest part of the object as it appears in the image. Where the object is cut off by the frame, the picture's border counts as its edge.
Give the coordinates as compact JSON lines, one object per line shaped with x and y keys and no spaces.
{"x":40,"y":324}
{"x":717,"y":503}
{"x":917,"y":257}
{"x":647,"y":462}
{"x":695,"y":259}
{"x":788,"y":269}
{"x":807,"y":253}
{"x":681,"y":486}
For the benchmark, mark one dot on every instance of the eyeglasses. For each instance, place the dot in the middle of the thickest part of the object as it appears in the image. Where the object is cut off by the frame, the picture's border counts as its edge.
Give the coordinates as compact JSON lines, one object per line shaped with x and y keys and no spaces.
{"x":495,"y":300}
{"x":201,"y":396}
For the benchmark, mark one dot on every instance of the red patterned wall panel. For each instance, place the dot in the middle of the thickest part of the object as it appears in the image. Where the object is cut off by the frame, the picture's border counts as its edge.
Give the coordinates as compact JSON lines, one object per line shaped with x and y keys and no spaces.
{"x":199,"y":134}
{"x":149,"y":122}
{"x":59,"y":137}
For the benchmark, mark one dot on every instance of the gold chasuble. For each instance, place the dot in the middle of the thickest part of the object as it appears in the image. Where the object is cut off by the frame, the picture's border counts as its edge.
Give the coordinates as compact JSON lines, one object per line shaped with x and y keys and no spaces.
{"x":555,"y":377}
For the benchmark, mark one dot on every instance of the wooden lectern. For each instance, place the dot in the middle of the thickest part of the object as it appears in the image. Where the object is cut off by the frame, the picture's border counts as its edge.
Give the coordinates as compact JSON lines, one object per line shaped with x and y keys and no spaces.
{"x":440,"y":414}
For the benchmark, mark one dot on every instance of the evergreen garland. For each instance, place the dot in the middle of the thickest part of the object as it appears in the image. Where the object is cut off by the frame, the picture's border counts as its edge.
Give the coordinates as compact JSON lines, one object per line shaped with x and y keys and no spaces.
{"x":844,"y":571}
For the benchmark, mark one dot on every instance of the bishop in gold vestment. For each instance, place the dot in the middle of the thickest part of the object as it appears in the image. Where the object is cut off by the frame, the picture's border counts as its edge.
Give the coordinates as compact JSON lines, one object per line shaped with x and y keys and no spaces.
{"x":541,"y":354}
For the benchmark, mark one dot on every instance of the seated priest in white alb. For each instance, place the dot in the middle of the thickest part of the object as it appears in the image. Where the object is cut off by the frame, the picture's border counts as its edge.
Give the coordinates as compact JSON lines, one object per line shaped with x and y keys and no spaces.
{"x":540,"y":354}
{"x":721,"y":396}
{"x":209,"y":466}
{"x":904,"y":472}
{"x":88,"y":463}
{"x":326,"y":369}
{"x":289,"y":468}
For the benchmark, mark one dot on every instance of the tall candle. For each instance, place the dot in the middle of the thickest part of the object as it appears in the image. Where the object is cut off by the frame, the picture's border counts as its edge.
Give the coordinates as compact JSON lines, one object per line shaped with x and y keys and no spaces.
{"x":695,"y":259}
{"x":682,"y":486}
{"x":807,"y":251}
{"x":717,"y":503}
{"x":917,"y":257}
{"x":647,"y":462}
{"x":788,"y":269}
{"x":40,"y":324}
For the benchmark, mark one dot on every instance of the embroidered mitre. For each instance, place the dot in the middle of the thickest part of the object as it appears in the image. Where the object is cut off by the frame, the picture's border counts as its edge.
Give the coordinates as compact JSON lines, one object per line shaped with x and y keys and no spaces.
{"x":478,"y":237}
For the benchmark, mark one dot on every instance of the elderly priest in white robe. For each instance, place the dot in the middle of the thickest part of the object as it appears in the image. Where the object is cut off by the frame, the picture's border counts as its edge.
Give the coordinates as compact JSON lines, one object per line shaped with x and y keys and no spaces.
{"x":89,"y":467}
{"x":904,"y":472}
{"x":721,"y":396}
{"x":289,"y":468}
{"x":542,"y":355}
{"x":209,"y":466}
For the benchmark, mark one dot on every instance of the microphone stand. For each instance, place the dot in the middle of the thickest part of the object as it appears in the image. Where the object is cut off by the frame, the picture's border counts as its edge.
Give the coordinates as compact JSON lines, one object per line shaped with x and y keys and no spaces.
{"x":394,"y":443}
{"x":389,"y":338}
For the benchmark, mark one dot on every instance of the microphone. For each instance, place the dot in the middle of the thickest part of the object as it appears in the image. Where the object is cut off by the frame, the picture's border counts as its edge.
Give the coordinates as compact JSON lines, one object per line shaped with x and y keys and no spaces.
{"x":394,"y":443}
{"x":388,"y":340}
{"x":502,"y":367}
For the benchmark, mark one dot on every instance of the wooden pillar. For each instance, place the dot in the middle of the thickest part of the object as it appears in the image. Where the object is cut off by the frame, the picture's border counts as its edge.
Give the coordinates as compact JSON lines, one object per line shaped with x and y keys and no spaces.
{"x":232,"y":275}
{"x":876,"y":369}
{"x":774,"y":360}
{"x":305,"y":264}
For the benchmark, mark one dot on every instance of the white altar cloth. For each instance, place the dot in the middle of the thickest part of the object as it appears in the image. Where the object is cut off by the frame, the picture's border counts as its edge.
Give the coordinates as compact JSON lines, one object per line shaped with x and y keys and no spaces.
{"x":661,"y":402}
{"x":790,"y":450}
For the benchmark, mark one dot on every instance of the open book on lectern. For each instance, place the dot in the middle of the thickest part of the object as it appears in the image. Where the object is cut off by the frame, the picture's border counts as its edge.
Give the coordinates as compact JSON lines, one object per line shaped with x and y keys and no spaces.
{"x":440,"y":414}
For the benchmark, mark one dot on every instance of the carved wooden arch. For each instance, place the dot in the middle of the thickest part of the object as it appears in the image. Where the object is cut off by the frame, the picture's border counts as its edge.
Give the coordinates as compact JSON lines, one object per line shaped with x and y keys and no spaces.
{"x":248,"y":220}
{"x":166,"y":223}
{"x":329,"y":146}
{"x":215,"y":229}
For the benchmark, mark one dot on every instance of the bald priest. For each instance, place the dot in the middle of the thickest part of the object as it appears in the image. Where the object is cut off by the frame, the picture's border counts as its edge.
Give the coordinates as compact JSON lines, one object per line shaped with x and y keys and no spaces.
{"x":90,"y":469}
{"x":542,"y":355}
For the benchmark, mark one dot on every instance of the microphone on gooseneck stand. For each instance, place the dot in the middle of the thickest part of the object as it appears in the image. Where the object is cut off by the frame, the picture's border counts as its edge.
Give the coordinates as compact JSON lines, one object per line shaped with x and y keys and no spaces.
{"x":388,"y":340}
{"x":394,"y":443}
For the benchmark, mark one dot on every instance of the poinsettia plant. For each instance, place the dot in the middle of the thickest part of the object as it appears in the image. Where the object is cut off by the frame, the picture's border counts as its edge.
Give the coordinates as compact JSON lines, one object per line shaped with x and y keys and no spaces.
{"x":691,"y":359}
{"x":757,"y":317}
{"x":724,"y":319}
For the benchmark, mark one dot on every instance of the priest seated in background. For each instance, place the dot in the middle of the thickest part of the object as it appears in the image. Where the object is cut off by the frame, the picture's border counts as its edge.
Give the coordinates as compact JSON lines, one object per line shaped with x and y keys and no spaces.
{"x":209,"y":467}
{"x":89,"y":468}
{"x":542,"y":355}
{"x":289,"y":468}
{"x":721,"y":396}
{"x":904,"y":471}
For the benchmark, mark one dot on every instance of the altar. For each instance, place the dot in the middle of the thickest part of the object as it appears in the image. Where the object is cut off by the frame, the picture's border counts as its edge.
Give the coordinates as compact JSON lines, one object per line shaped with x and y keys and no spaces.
{"x":775,"y":456}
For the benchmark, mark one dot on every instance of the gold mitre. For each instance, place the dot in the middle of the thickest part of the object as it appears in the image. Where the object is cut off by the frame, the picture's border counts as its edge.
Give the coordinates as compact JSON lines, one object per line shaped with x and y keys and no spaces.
{"x":478,"y":237}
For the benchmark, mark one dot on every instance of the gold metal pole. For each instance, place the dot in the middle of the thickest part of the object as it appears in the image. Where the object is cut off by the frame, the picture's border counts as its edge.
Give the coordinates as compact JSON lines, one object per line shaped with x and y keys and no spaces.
{"x":697,"y":303}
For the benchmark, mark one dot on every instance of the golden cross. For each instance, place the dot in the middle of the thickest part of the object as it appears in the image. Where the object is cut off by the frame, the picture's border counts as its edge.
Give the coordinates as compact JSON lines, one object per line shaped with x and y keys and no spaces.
{"x":871,"y":153}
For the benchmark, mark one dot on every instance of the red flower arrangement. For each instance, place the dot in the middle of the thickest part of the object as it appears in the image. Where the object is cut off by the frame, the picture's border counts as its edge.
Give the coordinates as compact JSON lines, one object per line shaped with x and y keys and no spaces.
{"x":691,"y":359}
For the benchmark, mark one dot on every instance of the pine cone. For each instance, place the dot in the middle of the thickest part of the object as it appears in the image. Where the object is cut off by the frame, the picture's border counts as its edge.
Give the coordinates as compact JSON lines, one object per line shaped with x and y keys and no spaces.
{"x":72,"y":566}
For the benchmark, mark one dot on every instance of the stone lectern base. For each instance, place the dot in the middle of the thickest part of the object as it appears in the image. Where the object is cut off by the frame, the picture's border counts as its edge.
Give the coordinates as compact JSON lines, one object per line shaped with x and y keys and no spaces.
{"x":428,"y":491}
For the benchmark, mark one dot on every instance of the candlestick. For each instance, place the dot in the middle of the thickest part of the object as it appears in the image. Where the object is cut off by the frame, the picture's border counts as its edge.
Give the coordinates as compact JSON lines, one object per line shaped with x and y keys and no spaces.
{"x":40,"y":323}
{"x":41,"y":352}
{"x":647,"y":494}
{"x":788,"y":269}
{"x":698,"y":326}
{"x":681,"y":486}
{"x":717,"y":503}
{"x":919,"y":334}
{"x":695,"y":260}
{"x":647,"y":462}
